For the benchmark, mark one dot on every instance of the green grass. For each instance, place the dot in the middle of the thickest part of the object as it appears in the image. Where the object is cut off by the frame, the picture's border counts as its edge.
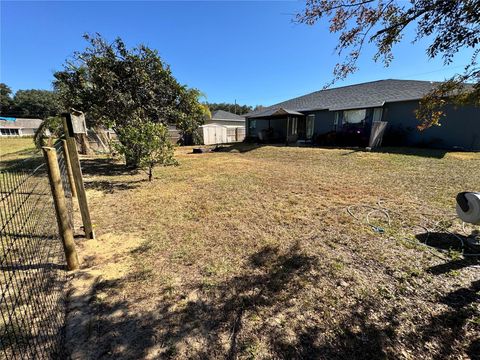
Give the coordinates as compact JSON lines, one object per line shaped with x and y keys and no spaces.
{"x":18,"y":151}
{"x":16,"y":146}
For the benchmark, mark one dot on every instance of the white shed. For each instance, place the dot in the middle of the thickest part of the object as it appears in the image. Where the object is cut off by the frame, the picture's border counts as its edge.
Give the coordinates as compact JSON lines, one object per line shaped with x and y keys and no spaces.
{"x":214,"y":134}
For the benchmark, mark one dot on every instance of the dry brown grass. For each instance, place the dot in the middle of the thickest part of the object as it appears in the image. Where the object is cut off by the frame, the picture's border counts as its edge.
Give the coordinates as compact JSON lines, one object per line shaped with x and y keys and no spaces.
{"x":253,"y":254}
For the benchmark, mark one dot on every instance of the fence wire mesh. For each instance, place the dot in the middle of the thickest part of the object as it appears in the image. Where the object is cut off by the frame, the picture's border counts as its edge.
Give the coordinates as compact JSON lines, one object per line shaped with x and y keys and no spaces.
{"x":32,"y":262}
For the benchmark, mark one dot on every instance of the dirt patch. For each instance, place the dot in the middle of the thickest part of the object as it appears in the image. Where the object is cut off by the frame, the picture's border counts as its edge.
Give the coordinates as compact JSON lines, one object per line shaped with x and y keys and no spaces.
{"x":105,"y":259}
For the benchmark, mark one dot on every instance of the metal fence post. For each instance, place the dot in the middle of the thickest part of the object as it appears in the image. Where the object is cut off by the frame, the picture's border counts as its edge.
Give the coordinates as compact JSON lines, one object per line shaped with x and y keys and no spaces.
{"x":78,"y":178}
{"x":68,"y":165}
{"x":66,"y":232}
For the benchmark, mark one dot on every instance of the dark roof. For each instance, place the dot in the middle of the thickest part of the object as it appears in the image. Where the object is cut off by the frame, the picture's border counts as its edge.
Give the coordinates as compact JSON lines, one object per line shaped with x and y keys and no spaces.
{"x":225,"y":115}
{"x":276,"y":111}
{"x":365,"y":95}
{"x":19,"y":123}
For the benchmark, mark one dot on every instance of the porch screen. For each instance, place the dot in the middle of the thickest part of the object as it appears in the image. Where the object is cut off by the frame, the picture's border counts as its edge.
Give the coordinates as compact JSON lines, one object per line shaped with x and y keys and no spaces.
{"x":310,"y":126}
{"x":252,"y":125}
{"x":354,"y":116}
{"x":377,"y":114}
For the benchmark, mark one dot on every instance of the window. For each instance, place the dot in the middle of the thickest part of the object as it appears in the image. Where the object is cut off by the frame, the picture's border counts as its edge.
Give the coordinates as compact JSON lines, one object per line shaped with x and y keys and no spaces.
{"x":309,"y":126}
{"x":377,"y":114}
{"x":293,"y":126}
{"x":9,"y":132}
{"x":354,"y":116}
{"x":252,"y":125}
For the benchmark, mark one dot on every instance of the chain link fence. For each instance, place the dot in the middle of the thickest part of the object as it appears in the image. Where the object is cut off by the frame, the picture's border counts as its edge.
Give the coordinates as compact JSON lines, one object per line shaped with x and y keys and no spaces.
{"x":32,"y":262}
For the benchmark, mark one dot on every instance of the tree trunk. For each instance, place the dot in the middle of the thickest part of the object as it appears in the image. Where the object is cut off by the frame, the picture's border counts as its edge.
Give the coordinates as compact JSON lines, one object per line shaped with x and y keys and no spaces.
{"x":150,"y":173}
{"x":82,"y":140}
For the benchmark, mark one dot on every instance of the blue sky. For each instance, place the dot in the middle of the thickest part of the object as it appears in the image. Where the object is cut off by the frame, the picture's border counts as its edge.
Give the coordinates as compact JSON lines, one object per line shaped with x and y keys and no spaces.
{"x":251,"y":52}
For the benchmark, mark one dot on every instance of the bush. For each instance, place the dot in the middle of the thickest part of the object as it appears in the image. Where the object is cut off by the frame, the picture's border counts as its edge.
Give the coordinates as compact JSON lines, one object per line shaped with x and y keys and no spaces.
{"x":145,"y":143}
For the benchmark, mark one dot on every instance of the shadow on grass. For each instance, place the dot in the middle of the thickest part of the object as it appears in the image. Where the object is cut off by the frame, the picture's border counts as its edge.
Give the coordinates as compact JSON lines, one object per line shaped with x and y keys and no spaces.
{"x":29,"y":163}
{"x":104,"y":167}
{"x":452,"y":265}
{"x":112,"y":186}
{"x":238,"y":147}
{"x":356,"y":337}
{"x":108,"y":167}
{"x":220,"y":325}
{"x":361,"y":337}
{"x":450,"y":326}
{"x":247,"y":147}
{"x":442,"y":240}
{"x":271,"y":278}
{"x":22,"y":153}
{"x":422,"y":152}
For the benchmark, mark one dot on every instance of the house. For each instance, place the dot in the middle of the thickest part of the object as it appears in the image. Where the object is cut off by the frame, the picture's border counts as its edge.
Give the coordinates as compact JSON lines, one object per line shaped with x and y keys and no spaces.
{"x":18,"y":127}
{"x":223,"y":127}
{"x":346,"y":116}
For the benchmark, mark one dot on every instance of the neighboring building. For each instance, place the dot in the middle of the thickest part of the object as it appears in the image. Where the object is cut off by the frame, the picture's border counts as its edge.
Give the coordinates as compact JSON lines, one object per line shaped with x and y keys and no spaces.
{"x":18,"y":127}
{"x":347,"y":115}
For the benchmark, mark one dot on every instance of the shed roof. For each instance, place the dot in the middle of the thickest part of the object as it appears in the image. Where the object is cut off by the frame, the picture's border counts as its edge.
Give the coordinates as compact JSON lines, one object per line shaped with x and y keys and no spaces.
{"x":226,"y":115}
{"x":365,"y":95}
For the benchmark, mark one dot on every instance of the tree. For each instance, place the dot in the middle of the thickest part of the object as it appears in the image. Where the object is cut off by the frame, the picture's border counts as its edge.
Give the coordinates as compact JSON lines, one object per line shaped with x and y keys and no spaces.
{"x":36,"y":104}
{"x":448,"y":25}
{"x":193,"y":115}
{"x":147,"y":141}
{"x":113,"y":85}
{"x":233,"y":108}
{"x":29,"y":103}
{"x":5,"y":99}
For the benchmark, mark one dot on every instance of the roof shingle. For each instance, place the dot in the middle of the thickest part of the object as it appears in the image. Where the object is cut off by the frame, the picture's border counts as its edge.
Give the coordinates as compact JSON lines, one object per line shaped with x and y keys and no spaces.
{"x":20,"y":123}
{"x":225,"y":115}
{"x":365,"y":95}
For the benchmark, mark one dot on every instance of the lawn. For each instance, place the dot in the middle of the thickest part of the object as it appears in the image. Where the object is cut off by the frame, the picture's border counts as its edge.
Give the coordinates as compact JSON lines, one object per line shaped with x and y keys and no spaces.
{"x":265,"y":252}
{"x":16,"y":146}
{"x":18,"y":151}
{"x":278,"y":252}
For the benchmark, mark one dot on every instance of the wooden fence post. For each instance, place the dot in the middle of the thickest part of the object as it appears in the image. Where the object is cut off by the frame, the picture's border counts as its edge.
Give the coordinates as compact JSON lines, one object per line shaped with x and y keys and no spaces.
{"x":78,"y":178}
{"x":68,"y":165}
{"x":66,"y":232}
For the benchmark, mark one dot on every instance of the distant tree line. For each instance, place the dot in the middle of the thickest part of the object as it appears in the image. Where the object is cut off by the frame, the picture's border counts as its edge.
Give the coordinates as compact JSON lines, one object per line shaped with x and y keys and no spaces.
{"x":233,"y":108}
{"x":30,"y":103}
{"x":42,"y":104}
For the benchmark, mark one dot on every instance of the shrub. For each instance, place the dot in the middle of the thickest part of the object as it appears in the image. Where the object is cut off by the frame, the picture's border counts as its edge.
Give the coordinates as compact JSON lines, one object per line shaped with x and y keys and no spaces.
{"x":145,"y":143}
